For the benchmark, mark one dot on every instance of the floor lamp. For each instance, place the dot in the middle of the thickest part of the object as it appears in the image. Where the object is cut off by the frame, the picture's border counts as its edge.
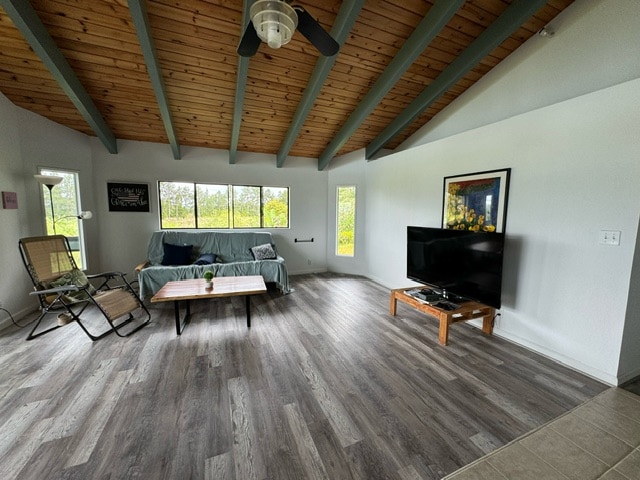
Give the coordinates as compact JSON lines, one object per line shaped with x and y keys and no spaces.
{"x":50,"y":181}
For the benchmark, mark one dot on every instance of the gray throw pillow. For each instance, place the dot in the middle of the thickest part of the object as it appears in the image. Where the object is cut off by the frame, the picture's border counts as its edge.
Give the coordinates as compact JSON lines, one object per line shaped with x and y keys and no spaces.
{"x":263,"y":252}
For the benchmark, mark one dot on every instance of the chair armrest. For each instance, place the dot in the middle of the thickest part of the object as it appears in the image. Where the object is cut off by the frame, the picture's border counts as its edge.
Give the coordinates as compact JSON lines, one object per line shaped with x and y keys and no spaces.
{"x":63,"y":288}
{"x":107,"y":275}
{"x":141,"y":266}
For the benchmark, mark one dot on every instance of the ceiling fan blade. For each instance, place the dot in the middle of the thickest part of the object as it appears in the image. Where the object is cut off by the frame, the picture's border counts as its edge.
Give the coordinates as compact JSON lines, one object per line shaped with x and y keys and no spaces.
{"x":249,"y":42}
{"x":313,"y":31}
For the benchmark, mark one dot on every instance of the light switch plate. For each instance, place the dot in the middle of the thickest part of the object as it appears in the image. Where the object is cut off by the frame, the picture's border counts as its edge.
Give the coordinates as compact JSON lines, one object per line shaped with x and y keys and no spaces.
{"x":609,"y":237}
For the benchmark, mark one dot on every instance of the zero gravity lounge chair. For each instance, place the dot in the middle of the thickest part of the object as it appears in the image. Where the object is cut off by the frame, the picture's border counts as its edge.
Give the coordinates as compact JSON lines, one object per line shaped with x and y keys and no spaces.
{"x":64,"y":289}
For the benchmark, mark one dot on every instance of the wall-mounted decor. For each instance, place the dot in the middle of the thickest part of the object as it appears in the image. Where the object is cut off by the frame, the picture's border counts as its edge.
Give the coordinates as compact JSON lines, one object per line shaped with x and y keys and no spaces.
{"x":128,"y":197}
{"x":9,"y":200}
{"x":476,"y":201}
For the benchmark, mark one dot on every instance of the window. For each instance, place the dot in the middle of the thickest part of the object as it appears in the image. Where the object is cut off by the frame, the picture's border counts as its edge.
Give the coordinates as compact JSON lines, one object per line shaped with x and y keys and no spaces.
{"x":62,"y":219}
{"x":177,"y":205}
{"x":275,"y":207}
{"x":346,"y":221}
{"x":213,"y":206}
{"x":202,"y":205}
{"x":246,"y":207}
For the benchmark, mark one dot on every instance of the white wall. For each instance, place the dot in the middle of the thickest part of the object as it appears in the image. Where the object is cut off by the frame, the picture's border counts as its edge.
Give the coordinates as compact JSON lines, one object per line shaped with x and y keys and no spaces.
{"x":14,"y":223}
{"x":630,"y":350}
{"x":573,"y":173}
{"x":564,"y":114}
{"x":29,"y":141}
{"x":347,"y":170}
{"x":49,"y":145}
{"x":124,"y":235}
{"x":595,"y":46}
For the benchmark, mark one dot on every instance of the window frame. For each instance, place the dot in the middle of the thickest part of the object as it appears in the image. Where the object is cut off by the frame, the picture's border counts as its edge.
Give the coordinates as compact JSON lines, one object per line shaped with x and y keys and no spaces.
{"x":81,"y":258}
{"x":231,"y":206}
{"x":337,"y":224}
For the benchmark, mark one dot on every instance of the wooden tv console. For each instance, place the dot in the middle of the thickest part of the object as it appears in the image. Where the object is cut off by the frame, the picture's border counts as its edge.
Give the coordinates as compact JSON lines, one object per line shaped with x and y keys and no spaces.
{"x":467,"y":311}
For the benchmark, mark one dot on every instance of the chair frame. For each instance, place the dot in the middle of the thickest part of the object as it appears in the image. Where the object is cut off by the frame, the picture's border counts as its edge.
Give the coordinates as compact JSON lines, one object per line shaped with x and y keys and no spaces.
{"x":76,"y":308}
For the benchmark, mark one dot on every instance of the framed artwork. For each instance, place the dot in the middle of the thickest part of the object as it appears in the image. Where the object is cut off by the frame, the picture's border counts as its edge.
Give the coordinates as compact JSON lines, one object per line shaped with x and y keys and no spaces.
{"x":128,"y":197}
{"x":9,"y":200}
{"x":476,"y":201}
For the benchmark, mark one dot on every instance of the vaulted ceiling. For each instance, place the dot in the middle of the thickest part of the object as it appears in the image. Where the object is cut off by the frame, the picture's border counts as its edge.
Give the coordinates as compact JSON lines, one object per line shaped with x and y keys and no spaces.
{"x":167,"y":71}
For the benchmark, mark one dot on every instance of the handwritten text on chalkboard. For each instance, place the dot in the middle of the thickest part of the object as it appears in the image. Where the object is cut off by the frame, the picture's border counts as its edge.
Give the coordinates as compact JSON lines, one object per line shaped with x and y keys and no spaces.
{"x":128,"y":197}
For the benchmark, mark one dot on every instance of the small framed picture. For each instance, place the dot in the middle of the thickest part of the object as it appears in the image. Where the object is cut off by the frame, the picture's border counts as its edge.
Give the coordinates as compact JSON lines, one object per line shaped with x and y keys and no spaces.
{"x":9,"y":200}
{"x":476,"y":201}
{"x":128,"y":197}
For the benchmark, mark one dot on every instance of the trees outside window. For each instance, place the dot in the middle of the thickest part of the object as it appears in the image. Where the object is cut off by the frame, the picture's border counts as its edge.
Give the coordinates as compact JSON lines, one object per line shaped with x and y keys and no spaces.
{"x":275,"y":207}
{"x":177,"y":205}
{"x":246,"y":206}
{"x":346,"y":221}
{"x":213,"y":206}
{"x":66,"y":208}
{"x":202,"y":205}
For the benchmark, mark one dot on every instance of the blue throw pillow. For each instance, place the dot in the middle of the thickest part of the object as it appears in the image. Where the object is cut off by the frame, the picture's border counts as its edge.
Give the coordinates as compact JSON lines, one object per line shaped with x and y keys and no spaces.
{"x":206,"y":259}
{"x":177,"y":254}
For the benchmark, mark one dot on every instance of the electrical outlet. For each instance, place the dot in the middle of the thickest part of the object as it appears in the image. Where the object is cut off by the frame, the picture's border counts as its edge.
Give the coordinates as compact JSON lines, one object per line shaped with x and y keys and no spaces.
{"x":309,"y":262}
{"x":609,"y":237}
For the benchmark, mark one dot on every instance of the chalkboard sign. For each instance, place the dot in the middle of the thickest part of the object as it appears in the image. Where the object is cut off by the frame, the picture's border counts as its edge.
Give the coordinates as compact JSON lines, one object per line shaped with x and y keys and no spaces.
{"x":128,"y":197}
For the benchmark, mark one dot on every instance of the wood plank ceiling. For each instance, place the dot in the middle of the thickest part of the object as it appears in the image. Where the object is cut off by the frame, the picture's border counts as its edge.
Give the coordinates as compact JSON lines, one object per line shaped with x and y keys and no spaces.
{"x":195,"y":45}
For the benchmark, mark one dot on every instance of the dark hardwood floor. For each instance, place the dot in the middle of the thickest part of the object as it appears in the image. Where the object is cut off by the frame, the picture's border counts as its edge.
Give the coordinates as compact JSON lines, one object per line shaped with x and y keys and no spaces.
{"x":325,"y":384}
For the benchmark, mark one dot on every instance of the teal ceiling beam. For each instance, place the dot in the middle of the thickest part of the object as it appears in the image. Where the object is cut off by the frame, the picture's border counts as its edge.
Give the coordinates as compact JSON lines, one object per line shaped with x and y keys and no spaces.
{"x":435,"y":19}
{"x":343,"y":24}
{"x":138,"y":11}
{"x":241,"y":87}
{"x":27,"y":21}
{"x":512,"y":19}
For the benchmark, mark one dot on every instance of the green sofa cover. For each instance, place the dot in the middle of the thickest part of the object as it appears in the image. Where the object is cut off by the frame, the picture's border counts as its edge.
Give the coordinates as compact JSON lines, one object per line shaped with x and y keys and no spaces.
{"x":234,"y":258}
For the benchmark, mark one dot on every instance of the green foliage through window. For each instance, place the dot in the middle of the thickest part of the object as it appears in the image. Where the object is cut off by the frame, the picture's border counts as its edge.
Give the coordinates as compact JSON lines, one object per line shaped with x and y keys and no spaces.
{"x":66,"y":208}
{"x":246,"y":206}
{"x":201,"y":205}
{"x":213,"y":206}
{"x":346,"y":221}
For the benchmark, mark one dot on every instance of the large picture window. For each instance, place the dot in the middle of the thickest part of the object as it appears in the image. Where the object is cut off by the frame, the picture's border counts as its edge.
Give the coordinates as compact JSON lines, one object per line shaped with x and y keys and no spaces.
{"x":203,"y":205}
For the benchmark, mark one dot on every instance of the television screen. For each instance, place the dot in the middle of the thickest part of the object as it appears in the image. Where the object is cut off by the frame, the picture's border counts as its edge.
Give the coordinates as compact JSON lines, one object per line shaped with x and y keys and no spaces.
{"x":460,"y":262}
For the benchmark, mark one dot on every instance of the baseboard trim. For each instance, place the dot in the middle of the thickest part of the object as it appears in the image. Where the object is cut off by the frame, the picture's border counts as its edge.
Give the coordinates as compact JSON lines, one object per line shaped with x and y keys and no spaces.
{"x":5,"y":319}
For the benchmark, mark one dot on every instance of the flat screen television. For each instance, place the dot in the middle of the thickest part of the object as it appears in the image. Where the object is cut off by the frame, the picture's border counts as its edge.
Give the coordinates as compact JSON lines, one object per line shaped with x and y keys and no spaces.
{"x":458,"y":262}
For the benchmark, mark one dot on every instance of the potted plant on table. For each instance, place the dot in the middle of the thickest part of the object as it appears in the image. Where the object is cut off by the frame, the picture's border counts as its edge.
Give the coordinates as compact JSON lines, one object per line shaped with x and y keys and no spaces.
{"x":208,"y":278}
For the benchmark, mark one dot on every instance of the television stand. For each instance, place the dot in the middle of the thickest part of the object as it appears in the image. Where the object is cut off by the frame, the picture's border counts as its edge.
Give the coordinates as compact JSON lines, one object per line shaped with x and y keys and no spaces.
{"x":467,"y":311}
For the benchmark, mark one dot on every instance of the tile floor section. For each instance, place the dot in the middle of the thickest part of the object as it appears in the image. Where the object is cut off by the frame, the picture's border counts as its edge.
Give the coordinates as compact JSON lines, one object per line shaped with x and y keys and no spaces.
{"x":600,"y":439}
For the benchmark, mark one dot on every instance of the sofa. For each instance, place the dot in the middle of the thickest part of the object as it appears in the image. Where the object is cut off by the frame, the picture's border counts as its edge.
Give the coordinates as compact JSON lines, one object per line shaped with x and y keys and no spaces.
{"x":179,"y":255}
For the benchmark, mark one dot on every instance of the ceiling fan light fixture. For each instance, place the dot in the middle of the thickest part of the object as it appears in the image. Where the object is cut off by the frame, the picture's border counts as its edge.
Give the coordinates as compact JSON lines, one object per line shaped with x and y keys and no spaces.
{"x":274,"y":21}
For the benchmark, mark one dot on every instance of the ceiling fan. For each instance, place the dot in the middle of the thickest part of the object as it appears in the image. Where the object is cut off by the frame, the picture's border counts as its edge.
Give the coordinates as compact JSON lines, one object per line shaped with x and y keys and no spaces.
{"x":275,"y":21}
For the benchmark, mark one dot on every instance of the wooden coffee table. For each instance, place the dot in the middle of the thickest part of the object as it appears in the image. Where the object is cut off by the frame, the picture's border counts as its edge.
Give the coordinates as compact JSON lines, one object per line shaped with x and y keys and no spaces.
{"x":194,"y":289}
{"x":466,"y":311}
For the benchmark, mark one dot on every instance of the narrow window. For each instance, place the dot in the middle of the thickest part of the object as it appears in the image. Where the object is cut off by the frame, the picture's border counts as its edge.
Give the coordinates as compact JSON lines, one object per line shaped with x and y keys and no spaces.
{"x":61,"y":218}
{"x":346,"y":221}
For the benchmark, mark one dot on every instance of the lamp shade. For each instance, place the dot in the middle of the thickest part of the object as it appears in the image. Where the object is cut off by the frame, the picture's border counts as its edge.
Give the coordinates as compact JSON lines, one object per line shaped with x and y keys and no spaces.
{"x":274,"y":21}
{"x":48,"y":180}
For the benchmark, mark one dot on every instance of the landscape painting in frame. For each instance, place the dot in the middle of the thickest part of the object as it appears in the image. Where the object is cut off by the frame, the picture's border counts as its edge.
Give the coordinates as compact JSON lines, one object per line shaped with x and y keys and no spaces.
{"x":476,"y":201}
